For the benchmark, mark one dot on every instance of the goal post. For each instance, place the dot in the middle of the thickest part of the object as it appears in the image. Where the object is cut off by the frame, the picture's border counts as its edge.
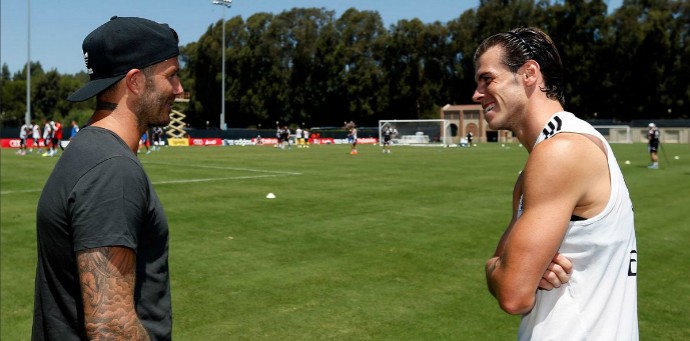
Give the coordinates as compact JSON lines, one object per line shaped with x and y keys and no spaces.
{"x":432,"y":132}
{"x":615,"y":133}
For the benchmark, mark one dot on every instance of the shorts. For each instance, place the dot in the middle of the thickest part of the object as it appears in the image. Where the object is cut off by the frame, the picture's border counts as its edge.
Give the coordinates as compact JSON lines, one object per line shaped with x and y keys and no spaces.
{"x":653,"y":147}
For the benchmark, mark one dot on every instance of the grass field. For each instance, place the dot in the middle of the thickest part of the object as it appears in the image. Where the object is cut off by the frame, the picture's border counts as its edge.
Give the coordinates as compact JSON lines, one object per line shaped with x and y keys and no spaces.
{"x":366,"y":247}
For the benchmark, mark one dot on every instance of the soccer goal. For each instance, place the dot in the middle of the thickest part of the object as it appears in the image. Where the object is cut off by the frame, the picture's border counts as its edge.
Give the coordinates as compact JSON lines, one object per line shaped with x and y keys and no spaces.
{"x":417,"y":132}
{"x":616,"y":133}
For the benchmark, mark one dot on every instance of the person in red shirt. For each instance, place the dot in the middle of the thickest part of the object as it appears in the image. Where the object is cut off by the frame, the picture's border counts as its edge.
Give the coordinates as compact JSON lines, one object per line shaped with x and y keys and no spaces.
{"x":57,"y":138}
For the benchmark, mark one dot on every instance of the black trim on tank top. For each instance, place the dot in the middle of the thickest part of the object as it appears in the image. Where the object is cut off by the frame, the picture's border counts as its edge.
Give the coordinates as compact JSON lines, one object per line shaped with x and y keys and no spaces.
{"x":576,"y":218}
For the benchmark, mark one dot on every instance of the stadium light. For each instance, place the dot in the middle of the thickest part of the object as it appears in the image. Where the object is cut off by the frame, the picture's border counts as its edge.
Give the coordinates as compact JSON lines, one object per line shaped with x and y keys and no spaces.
{"x":224,"y":3}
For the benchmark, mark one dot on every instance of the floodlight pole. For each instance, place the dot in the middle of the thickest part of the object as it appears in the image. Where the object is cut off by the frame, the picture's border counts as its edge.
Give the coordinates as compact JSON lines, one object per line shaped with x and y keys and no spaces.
{"x":27,"y":115}
{"x":224,"y":3}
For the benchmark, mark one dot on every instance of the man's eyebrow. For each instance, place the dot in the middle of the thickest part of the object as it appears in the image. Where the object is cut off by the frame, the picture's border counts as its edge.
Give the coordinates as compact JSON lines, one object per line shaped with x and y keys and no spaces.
{"x":173,"y":70}
{"x":479,"y":76}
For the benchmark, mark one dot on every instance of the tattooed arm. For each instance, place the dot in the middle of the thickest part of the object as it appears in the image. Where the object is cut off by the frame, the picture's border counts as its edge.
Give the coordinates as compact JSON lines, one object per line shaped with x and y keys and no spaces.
{"x":107,"y":287}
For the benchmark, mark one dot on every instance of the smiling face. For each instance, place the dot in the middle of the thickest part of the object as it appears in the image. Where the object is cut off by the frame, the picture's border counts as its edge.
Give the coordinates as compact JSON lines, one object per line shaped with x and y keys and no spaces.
{"x":162,"y":86}
{"x":499,"y":91}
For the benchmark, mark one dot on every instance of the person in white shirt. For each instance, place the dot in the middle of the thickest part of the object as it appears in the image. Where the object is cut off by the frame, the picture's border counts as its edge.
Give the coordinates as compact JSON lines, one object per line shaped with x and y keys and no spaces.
{"x":24,"y":131}
{"x":351,"y":127}
{"x":47,"y":136}
{"x":298,"y":137}
{"x":567,"y":261}
{"x":36,"y":134}
{"x":305,"y":137}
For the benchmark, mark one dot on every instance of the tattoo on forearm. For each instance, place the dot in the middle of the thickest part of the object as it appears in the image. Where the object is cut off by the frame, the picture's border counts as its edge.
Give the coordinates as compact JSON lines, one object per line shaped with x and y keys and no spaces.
{"x":107,"y":278}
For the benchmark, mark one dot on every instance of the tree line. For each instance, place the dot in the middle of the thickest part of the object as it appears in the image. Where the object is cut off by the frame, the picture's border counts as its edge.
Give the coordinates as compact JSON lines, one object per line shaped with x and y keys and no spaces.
{"x":307,"y":66}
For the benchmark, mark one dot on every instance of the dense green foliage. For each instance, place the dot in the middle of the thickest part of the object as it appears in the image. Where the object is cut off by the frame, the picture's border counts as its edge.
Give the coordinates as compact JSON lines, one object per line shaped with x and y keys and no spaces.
{"x":307,"y":66}
{"x":367,"y":247}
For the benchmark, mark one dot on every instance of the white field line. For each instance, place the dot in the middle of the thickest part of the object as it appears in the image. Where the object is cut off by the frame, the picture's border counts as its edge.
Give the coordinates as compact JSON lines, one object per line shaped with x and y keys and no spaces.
{"x":221,"y":179}
{"x":20,"y":191}
{"x":224,"y":168}
{"x":270,"y":174}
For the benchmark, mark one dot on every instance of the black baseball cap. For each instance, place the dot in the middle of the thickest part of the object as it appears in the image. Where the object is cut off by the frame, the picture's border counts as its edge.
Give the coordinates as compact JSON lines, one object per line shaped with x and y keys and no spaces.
{"x":122,"y":44}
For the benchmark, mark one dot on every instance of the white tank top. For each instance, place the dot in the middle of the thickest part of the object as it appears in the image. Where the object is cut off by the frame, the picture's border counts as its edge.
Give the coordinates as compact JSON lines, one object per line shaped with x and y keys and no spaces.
{"x":600,"y":300}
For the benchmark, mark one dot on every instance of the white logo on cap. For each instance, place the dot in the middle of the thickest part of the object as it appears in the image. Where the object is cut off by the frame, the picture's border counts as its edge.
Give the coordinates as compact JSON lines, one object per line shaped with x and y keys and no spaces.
{"x":86,"y":61}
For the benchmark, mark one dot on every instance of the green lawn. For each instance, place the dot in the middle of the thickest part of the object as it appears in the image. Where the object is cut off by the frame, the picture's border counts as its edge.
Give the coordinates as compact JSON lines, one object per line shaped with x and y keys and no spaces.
{"x":366,"y":247}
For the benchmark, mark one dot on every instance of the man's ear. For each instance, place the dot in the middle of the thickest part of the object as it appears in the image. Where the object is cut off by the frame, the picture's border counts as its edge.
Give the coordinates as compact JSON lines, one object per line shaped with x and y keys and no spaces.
{"x":136,"y":81}
{"x":532,"y":71}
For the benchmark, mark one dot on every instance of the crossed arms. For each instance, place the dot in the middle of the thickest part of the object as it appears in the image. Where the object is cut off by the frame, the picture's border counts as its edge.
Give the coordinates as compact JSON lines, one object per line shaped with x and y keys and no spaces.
{"x":564,"y":175}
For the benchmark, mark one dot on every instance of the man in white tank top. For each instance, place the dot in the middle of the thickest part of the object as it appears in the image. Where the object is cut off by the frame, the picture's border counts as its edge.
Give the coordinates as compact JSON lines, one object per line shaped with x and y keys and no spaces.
{"x":567,"y":260}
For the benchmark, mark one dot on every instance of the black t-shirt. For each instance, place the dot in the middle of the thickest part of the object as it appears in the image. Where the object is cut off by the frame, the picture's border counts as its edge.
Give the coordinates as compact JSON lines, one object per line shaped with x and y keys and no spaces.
{"x":98,"y":195}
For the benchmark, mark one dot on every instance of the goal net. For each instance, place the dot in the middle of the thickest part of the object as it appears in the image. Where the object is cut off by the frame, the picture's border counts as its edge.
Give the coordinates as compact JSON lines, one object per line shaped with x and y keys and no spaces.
{"x":417,"y":132}
{"x":616,"y":133}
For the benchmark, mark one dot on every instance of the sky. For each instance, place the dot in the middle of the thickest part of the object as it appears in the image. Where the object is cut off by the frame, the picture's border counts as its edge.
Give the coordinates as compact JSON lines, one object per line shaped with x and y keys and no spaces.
{"x":58,"y":27}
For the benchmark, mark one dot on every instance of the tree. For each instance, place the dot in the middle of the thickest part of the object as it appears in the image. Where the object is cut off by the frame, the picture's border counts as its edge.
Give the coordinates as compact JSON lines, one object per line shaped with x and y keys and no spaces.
{"x":362,"y":37}
{"x":405,"y":69}
{"x":641,"y":44}
{"x":306,"y":66}
{"x":576,"y":28}
{"x":13,"y":107}
{"x":47,"y":95}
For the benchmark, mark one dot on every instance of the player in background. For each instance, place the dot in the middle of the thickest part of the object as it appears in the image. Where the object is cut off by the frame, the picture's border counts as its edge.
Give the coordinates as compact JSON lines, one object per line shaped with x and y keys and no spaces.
{"x":36,"y":134}
{"x":305,"y":138}
{"x":75,"y":129}
{"x":388,"y":134}
{"x":298,"y":137}
{"x":47,"y":136}
{"x":653,"y":145}
{"x":157,"y":138}
{"x":351,"y":127}
{"x":469,"y":138}
{"x":24,"y":131}
{"x":279,"y":136}
{"x":57,"y":138}
{"x":285,"y":137}
{"x":144,"y":142}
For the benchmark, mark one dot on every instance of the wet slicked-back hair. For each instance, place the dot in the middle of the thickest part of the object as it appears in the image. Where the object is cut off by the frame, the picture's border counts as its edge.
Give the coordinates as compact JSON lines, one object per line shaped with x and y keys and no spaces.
{"x":523,"y":44}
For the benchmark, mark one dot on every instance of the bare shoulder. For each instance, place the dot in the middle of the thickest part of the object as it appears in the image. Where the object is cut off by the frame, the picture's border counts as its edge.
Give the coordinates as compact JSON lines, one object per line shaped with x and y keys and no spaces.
{"x":569,"y":153}
{"x":572,"y":167}
{"x":566,"y":147}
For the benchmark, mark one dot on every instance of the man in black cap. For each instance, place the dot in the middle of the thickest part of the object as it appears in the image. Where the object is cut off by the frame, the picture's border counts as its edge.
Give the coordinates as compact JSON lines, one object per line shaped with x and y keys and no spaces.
{"x":102,"y":234}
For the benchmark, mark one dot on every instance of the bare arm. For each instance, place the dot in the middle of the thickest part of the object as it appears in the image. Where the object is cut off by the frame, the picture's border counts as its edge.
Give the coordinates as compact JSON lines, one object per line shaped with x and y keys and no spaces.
{"x":556,"y":274}
{"x":107,"y":287}
{"x":562,"y":176}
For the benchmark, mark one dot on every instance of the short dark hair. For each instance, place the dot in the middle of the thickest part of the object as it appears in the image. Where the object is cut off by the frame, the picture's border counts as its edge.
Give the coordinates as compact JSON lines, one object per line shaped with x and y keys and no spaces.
{"x":522,"y":44}
{"x":147,"y":71}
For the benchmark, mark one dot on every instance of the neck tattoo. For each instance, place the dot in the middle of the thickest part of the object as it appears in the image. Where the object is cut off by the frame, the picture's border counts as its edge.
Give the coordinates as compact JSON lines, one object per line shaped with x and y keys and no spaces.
{"x":106,"y":106}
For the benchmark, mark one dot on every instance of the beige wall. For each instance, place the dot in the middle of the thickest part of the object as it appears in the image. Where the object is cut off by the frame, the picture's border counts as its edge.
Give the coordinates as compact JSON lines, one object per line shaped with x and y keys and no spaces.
{"x":470,"y":117}
{"x":668,"y":135}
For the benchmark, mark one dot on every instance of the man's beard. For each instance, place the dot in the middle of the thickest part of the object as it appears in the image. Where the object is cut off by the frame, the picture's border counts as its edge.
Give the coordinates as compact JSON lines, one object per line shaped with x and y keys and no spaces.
{"x":151,"y":105}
